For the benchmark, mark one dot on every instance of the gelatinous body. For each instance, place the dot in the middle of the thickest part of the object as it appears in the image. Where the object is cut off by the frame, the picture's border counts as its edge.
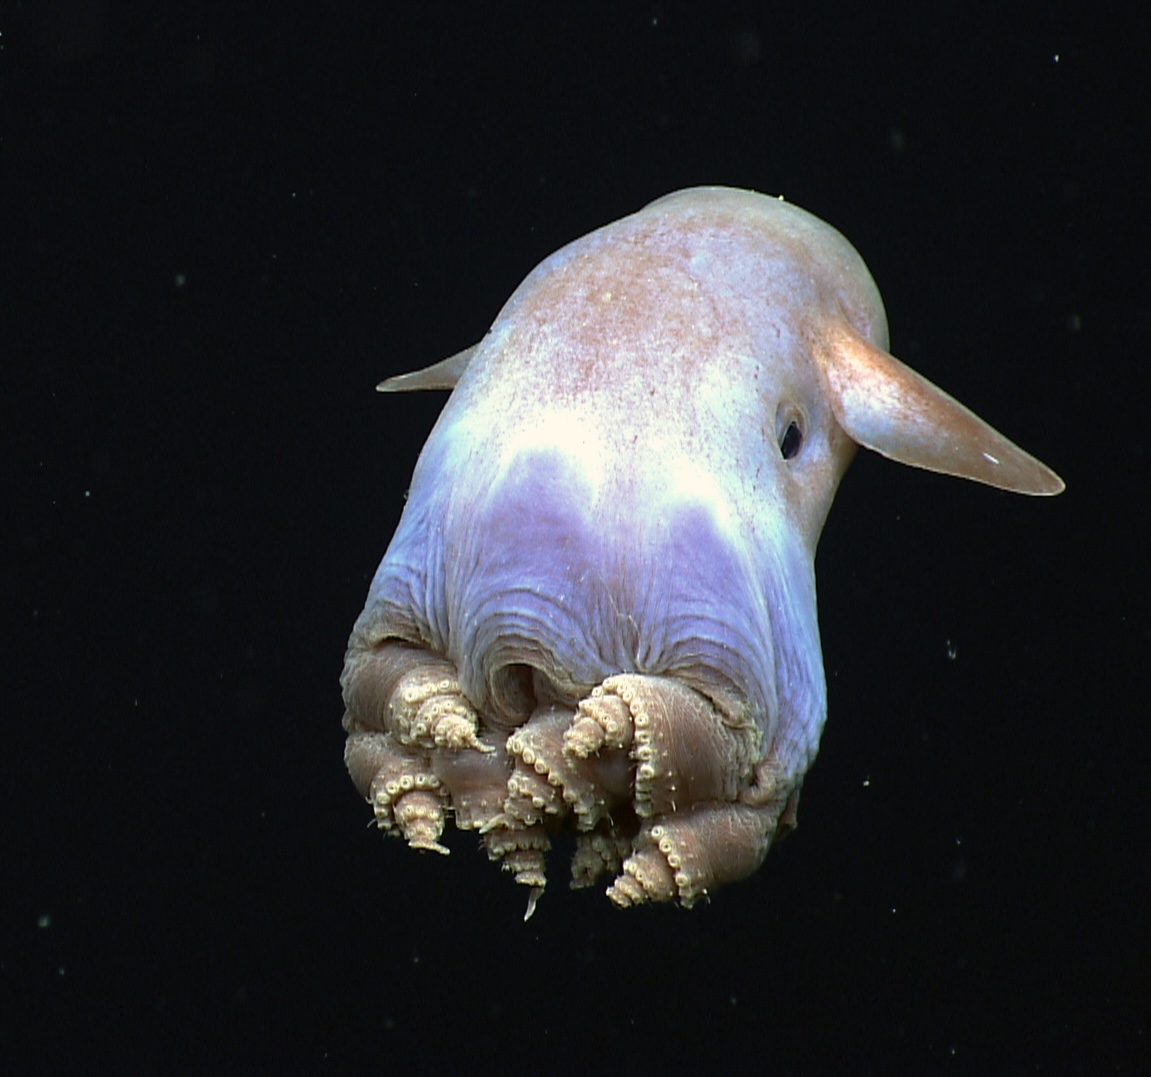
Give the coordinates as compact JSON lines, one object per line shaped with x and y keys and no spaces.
{"x":598,"y":610}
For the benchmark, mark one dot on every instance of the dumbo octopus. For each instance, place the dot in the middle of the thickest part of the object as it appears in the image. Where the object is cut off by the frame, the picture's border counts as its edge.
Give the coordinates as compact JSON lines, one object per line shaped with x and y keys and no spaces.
{"x":598,"y":610}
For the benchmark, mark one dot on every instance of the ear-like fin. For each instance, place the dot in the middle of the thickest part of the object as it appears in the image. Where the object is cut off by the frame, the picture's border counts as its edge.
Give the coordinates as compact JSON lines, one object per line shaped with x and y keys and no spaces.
{"x":885,"y":406}
{"x":441,"y":375}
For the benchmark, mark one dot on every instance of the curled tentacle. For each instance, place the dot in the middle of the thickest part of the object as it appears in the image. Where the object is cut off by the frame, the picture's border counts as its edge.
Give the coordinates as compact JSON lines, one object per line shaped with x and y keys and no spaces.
{"x":686,"y":855}
{"x":405,"y":794}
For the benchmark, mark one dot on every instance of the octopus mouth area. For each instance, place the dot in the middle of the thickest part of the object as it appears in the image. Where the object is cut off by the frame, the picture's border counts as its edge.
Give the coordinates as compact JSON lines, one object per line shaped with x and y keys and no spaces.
{"x":666,"y":796}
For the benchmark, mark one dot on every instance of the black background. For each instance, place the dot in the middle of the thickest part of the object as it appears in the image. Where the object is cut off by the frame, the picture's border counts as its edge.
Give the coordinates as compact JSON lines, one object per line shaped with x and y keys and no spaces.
{"x":222,"y":227}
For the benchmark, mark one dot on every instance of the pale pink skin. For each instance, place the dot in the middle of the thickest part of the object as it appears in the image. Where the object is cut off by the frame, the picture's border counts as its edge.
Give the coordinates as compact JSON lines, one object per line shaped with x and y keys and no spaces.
{"x":599,"y":605}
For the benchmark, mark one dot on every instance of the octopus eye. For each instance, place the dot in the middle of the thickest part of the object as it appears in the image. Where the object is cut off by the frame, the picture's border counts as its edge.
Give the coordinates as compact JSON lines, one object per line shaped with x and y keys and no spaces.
{"x":789,"y":431}
{"x":791,"y":441}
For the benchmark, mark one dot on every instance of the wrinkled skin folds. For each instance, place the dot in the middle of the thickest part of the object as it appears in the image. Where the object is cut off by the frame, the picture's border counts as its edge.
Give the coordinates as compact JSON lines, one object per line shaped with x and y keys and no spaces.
{"x":598,"y":610}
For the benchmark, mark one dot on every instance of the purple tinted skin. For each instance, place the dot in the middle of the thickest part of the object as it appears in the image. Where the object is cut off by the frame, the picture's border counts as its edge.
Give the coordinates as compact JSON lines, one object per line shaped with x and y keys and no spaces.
{"x":629,"y":481}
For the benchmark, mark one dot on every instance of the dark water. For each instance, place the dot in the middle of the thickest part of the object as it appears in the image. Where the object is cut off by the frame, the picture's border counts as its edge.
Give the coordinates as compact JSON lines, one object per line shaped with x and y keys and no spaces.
{"x":220,"y":230}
